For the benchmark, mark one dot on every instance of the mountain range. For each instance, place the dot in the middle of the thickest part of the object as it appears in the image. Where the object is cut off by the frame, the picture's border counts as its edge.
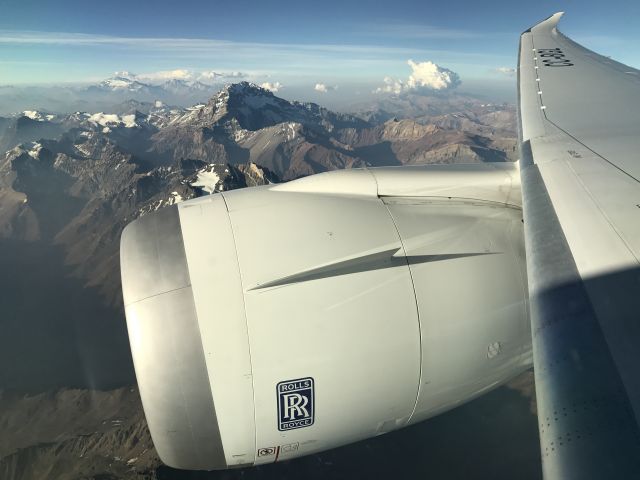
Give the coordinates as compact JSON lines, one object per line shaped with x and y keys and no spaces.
{"x":76,"y":179}
{"x":93,"y":172}
{"x":70,"y":182}
{"x":103,"y":95}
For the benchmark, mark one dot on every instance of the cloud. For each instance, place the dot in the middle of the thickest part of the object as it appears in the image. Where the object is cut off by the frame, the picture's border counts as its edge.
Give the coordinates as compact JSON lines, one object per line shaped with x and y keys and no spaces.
{"x":157,"y":77}
{"x":162,"y":76}
{"x":322,"y":88}
{"x":430,"y":75}
{"x":204,"y":76}
{"x":391,"y":86}
{"x":212,"y":76}
{"x":425,"y":77}
{"x":209,"y":75}
{"x":206,"y":46}
{"x":125,"y":74}
{"x":210,"y":54}
{"x":234,"y":75}
{"x":274,"y":87}
{"x":508,"y":71}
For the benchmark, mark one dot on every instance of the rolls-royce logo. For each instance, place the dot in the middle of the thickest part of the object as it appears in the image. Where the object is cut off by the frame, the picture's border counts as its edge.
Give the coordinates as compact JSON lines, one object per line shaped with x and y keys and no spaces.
{"x":295,"y":403}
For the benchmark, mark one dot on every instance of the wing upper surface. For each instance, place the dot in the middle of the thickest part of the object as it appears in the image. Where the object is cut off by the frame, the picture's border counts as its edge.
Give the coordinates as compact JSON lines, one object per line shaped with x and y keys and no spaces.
{"x":580,"y":138}
{"x":592,"y":98}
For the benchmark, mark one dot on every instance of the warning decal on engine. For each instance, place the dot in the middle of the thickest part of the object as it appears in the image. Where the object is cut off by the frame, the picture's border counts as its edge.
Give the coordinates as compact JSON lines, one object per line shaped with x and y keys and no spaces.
{"x":295,"y":403}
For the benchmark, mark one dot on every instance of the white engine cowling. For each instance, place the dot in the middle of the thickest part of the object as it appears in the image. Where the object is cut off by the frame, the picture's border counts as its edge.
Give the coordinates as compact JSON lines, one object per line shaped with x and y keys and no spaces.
{"x":274,"y":322}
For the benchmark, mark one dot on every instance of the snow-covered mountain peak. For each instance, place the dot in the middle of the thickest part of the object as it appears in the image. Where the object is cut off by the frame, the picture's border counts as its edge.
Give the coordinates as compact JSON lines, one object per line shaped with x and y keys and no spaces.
{"x":248,"y":107}
{"x":247,"y":89}
{"x":38,"y":116}
{"x":177,"y":85}
{"x":121,"y":83}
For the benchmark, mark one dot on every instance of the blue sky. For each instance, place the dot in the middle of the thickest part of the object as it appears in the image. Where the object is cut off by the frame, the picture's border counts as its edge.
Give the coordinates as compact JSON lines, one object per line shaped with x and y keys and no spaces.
{"x":349,"y":44}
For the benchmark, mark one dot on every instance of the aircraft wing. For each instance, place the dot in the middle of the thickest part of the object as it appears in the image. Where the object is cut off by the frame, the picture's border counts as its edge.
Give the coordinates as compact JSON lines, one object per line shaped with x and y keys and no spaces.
{"x":579,"y":118}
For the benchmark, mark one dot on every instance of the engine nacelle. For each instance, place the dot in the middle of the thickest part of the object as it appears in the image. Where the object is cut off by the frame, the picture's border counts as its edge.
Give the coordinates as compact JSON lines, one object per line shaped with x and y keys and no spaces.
{"x":278,"y":321}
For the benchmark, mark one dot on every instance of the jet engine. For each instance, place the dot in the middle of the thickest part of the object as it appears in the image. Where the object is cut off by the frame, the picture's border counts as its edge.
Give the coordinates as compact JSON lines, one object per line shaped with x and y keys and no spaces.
{"x":278,"y":321}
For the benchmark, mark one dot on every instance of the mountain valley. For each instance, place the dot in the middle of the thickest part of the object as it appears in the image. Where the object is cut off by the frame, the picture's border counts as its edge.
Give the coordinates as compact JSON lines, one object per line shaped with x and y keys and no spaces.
{"x":70,"y":182}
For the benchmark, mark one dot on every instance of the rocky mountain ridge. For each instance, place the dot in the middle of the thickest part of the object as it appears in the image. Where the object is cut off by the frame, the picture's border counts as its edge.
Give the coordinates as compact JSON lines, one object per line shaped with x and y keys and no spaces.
{"x":69,"y":183}
{"x":77,"y":179}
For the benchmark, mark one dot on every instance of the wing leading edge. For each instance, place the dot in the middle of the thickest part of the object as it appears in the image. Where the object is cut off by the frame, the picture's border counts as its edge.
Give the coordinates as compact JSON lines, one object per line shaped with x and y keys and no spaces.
{"x":579,"y":118}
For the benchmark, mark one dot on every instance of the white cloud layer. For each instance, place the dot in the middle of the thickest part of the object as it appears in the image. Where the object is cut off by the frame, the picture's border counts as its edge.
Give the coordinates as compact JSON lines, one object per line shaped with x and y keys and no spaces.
{"x":211,"y":75}
{"x":272,"y":86}
{"x":508,"y":71}
{"x":282,"y":59}
{"x":178,"y":74}
{"x":323,"y":88}
{"x":204,"y":46}
{"x":425,"y":76}
{"x":205,"y":76}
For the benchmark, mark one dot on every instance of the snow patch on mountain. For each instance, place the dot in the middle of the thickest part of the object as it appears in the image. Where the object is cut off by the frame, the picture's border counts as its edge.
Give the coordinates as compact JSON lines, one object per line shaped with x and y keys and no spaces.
{"x":112,"y":120}
{"x":289,"y":130}
{"x":175,"y":198}
{"x":207,"y":181}
{"x":34,"y":151}
{"x":83,"y":149}
{"x":38,"y":116}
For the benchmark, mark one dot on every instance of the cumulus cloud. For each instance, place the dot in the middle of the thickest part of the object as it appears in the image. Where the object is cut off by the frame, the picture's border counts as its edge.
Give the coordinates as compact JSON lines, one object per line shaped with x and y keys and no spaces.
{"x":425,"y":77}
{"x":508,"y":71}
{"x":391,"y":86}
{"x":322,"y":88}
{"x":430,"y":75}
{"x":274,"y":87}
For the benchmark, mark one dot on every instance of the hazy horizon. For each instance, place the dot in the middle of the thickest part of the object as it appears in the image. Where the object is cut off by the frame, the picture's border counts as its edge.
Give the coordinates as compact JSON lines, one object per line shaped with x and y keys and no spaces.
{"x":334,"y":53}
